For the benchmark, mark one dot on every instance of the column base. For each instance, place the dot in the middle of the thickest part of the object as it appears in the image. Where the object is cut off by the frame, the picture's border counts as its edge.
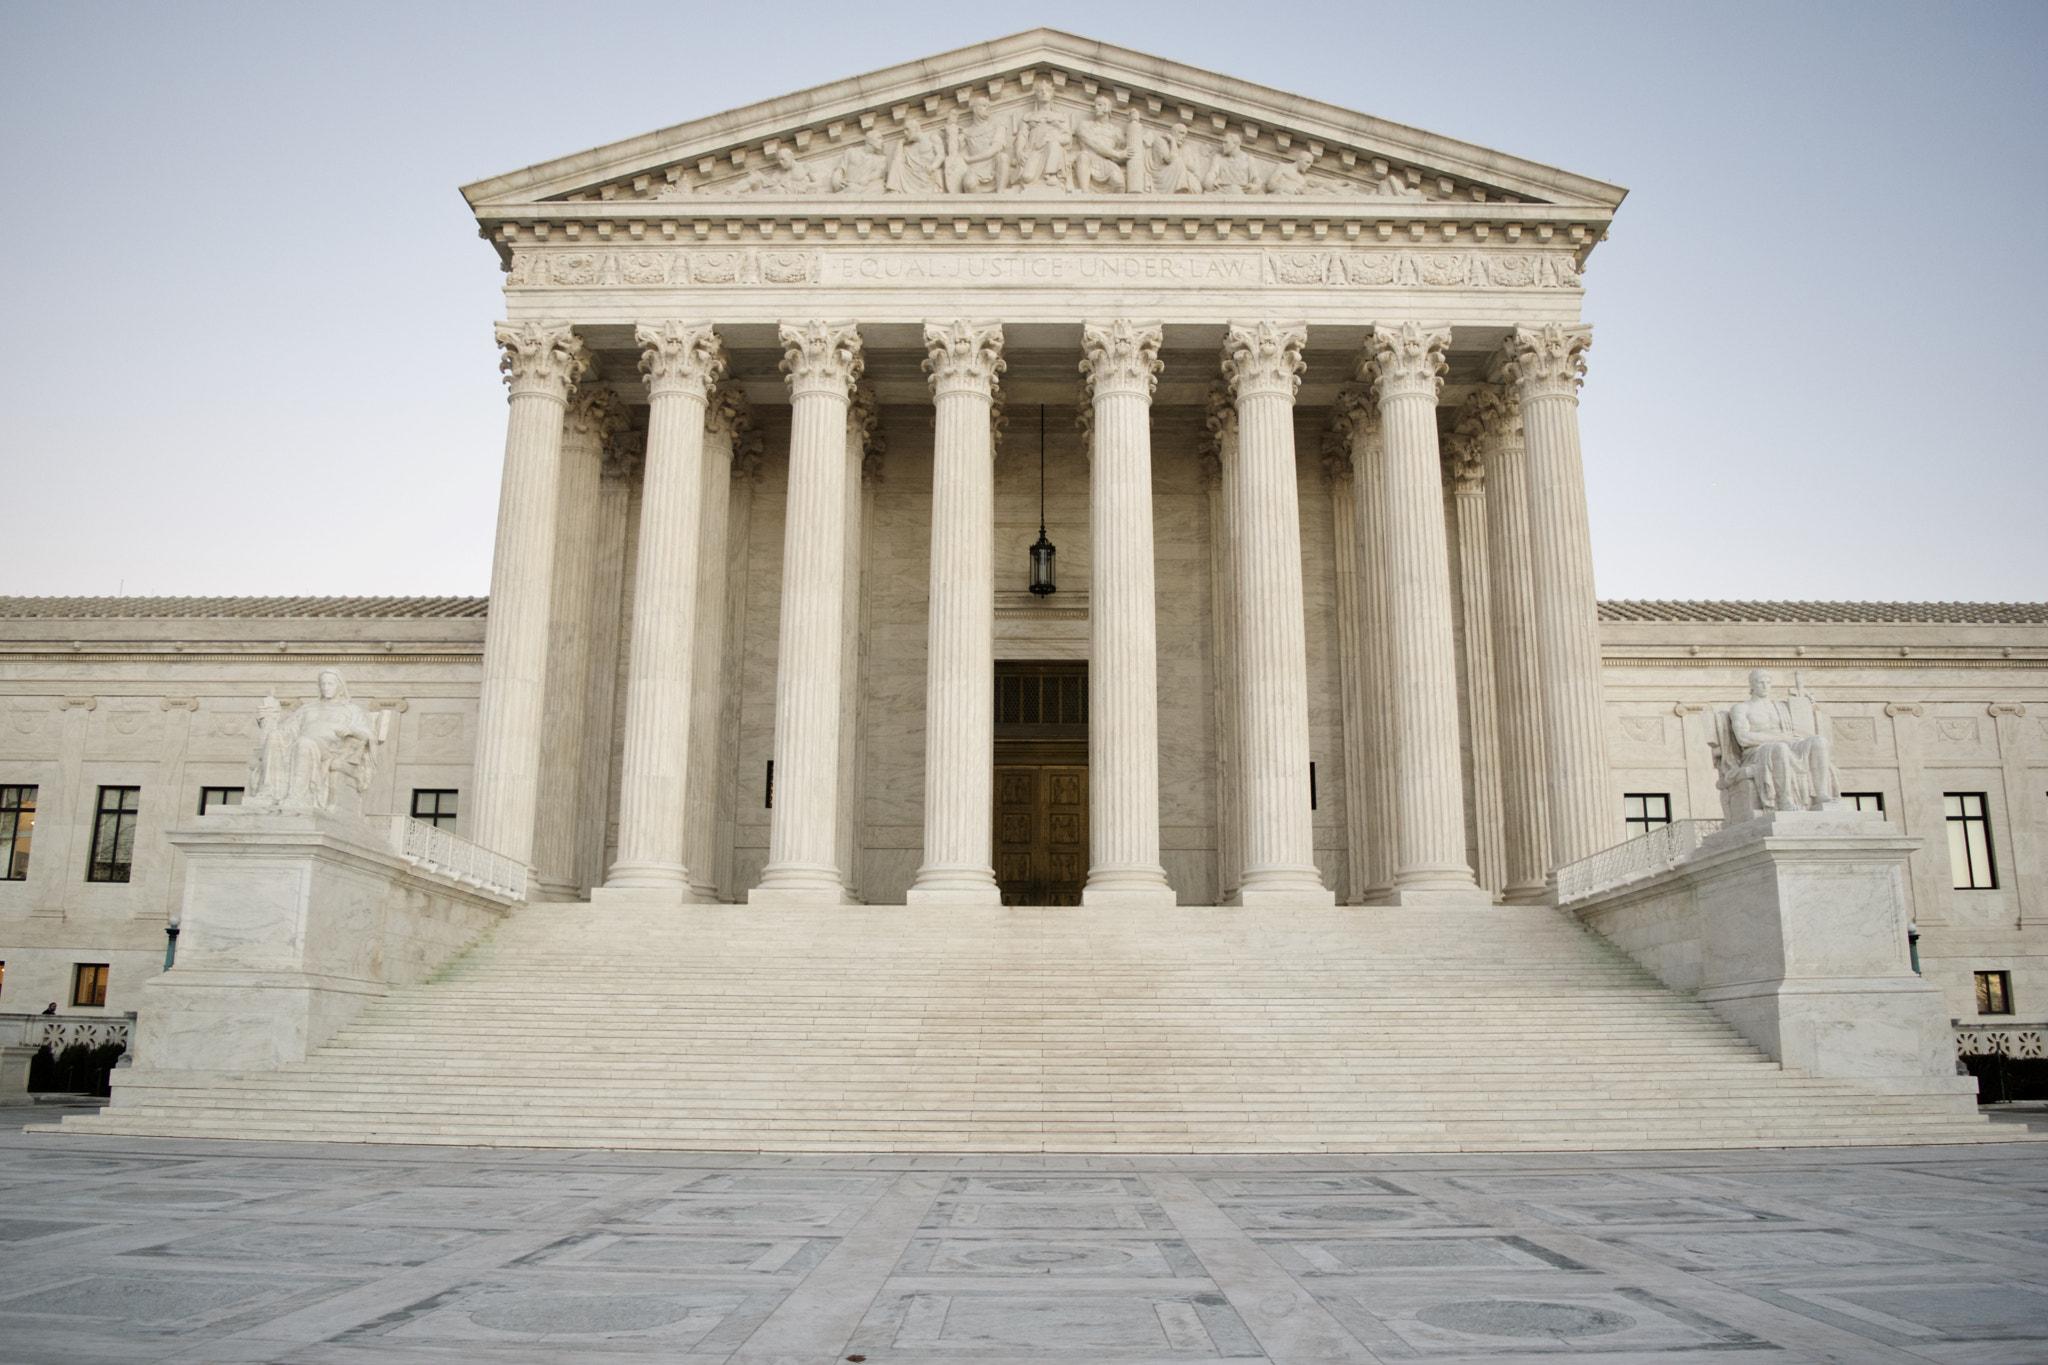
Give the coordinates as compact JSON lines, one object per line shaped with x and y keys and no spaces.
{"x":1441,"y":893}
{"x":790,"y":885}
{"x":1133,"y":888}
{"x":554,"y":892}
{"x":954,"y":886}
{"x":643,"y":897}
{"x":1527,"y":895}
{"x":1284,"y":888}
{"x":648,"y":876}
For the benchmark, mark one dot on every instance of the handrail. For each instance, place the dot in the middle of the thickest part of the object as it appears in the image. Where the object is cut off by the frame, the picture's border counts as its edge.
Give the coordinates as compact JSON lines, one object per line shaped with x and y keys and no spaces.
{"x":1632,"y":860}
{"x":435,"y":850}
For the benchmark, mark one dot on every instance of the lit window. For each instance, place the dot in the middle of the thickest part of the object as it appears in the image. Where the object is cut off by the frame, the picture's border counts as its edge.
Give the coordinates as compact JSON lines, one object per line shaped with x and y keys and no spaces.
{"x":113,"y":835}
{"x":434,"y":806}
{"x":89,"y":983}
{"x":1994,"y":992}
{"x":212,"y":798}
{"x":1642,"y":812}
{"x":1864,"y":801}
{"x":1969,"y":841}
{"x":17,"y":828}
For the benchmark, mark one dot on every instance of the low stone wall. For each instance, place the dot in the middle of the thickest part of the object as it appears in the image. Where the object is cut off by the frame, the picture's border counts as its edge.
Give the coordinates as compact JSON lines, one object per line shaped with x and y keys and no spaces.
{"x":1792,"y":927}
{"x":292,"y":922}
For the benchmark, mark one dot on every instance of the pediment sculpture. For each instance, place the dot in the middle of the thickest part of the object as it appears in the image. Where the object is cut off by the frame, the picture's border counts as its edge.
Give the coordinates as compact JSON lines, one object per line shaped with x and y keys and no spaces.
{"x":320,"y":756}
{"x":1045,"y":146}
{"x":1770,"y":755}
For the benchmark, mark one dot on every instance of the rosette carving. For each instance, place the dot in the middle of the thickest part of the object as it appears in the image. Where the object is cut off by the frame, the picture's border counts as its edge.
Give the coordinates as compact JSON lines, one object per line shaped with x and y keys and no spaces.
{"x":963,"y":356}
{"x":1264,"y":358}
{"x":545,"y":358}
{"x":680,"y":357}
{"x":821,"y":357}
{"x":1408,"y":361}
{"x":1547,"y":361}
{"x":1121,"y":356}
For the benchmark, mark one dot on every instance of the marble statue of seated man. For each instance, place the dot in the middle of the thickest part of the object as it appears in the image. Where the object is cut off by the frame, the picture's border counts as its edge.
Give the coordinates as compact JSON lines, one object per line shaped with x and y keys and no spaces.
{"x":1772,"y":756}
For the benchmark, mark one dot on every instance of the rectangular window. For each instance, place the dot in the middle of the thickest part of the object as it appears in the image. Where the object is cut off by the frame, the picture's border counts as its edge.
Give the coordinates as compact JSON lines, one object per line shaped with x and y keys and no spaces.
{"x":1642,"y":812}
{"x":211,"y":798}
{"x":1969,"y":841}
{"x":434,"y":806}
{"x":17,"y":829}
{"x":113,"y":835}
{"x":89,"y":983}
{"x":1869,"y":801}
{"x":1994,"y":992}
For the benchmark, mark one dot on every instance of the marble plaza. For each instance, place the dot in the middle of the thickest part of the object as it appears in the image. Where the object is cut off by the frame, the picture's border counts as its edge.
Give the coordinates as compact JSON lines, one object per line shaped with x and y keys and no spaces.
{"x":1042,"y":600}
{"x":210,"y":1252}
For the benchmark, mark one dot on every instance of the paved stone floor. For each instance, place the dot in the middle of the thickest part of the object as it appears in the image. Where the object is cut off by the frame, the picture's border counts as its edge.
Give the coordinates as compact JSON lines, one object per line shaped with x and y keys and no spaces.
{"x":126,"y":1250}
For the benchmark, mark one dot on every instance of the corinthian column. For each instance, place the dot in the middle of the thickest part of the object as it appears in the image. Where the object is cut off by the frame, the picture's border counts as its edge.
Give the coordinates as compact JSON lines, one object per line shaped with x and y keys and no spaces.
{"x":1262,"y":362}
{"x":1337,"y":476}
{"x":680,"y":361}
{"x":821,"y":361}
{"x":1517,"y":672}
{"x":1374,"y":788}
{"x":959,"y":736}
{"x":726,"y":424}
{"x":593,"y":415}
{"x":1218,"y":474}
{"x":1406,"y":366}
{"x":1119,"y":370}
{"x":1469,"y":497}
{"x":542,"y":362}
{"x":1546,"y":365}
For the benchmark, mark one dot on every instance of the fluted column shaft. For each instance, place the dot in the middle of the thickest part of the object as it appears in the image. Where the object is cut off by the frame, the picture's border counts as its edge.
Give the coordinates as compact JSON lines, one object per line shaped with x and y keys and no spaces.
{"x":959,"y":738}
{"x":727,"y":415}
{"x":1375,"y":687}
{"x":1262,"y":362}
{"x":821,"y":362}
{"x":1120,"y":369}
{"x":1406,"y":366}
{"x":1350,"y":680}
{"x":1469,"y":496}
{"x":1546,"y":365}
{"x":542,"y":362}
{"x":681,"y":362}
{"x":862,"y":422}
{"x":590,"y":419}
{"x":1222,"y":422}
{"x":1517,"y":669}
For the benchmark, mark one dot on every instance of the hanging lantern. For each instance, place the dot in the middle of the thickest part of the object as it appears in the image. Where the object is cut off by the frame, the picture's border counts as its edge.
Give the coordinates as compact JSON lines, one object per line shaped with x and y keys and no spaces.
{"x":1042,"y":576}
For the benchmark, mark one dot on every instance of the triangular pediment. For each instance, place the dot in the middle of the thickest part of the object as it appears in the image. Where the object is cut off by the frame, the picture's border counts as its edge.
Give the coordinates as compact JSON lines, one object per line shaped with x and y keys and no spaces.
{"x":1041,"y":114}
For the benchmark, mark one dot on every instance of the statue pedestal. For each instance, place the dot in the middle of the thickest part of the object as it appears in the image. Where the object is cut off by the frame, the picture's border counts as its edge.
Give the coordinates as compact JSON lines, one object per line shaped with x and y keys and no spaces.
{"x":292,"y":921}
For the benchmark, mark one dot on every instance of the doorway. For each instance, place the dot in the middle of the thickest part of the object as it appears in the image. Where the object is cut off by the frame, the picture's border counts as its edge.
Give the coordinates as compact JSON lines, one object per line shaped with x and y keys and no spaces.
{"x":1041,"y":781}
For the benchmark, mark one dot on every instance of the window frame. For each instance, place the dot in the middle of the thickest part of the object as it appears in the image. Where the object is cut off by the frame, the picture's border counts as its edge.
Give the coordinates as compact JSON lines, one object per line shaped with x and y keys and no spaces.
{"x":1856,"y":800}
{"x":2003,"y":980}
{"x":204,"y":792}
{"x":16,"y":845}
{"x":437,"y":817}
{"x":100,"y":972}
{"x":1973,"y":873}
{"x":1636,"y":826}
{"x":102,"y":865}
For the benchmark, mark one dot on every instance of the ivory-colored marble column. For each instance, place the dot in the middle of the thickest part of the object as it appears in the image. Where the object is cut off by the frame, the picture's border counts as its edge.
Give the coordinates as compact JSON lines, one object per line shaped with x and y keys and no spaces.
{"x":1468,"y":514}
{"x":1546,"y":365}
{"x":963,"y":360}
{"x":1360,"y":420}
{"x":1263,"y":363}
{"x":1120,"y":369}
{"x":542,"y":362}
{"x":592,"y":415}
{"x":1218,"y":462}
{"x":1517,"y":669}
{"x":1406,"y":365}
{"x":681,"y":362}
{"x":822,"y":361}
{"x":727,"y":420}
{"x":1337,"y":474}
{"x":864,"y":451}
{"x":597,"y":778}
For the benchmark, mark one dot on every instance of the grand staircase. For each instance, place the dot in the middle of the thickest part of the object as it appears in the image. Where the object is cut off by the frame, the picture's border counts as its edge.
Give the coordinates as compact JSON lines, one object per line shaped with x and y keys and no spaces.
{"x":886,"y":1028}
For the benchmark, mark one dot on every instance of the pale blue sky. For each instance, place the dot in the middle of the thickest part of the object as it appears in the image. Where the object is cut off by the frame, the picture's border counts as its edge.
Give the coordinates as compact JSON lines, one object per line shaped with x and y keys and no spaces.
{"x":245,"y":319}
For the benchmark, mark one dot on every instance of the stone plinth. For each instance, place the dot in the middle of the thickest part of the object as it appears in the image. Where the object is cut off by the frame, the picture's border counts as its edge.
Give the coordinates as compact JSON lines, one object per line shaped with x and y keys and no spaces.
{"x":291,"y":923}
{"x":1792,"y":927}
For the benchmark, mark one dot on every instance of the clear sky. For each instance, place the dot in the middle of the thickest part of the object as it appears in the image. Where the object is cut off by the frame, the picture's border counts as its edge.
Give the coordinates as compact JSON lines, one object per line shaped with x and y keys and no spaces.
{"x":245,"y":318}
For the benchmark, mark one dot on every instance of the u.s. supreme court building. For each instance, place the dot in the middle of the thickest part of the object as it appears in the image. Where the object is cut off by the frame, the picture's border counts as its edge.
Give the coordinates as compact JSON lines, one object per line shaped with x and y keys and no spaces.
{"x":1043,"y":475}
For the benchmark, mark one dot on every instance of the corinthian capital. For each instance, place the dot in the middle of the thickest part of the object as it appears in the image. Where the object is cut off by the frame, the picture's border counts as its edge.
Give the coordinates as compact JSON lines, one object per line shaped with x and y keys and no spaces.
{"x":680,"y":357}
{"x":1264,"y":358}
{"x":963,"y":357}
{"x":729,"y":411}
{"x":1463,"y":468}
{"x":1120,"y":357}
{"x":821,"y":357}
{"x":1336,"y":454}
{"x":1407,"y":361}
{"x":594,"y":413}
{"x":1353,"y":416}
{"x":544,"y":358}
{"x":1498,"y":413}
{"x":1547,"y":361}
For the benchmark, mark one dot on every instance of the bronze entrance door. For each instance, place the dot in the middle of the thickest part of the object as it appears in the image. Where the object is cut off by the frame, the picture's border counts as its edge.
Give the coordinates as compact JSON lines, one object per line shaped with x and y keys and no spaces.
{"x":1041,"y":782}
